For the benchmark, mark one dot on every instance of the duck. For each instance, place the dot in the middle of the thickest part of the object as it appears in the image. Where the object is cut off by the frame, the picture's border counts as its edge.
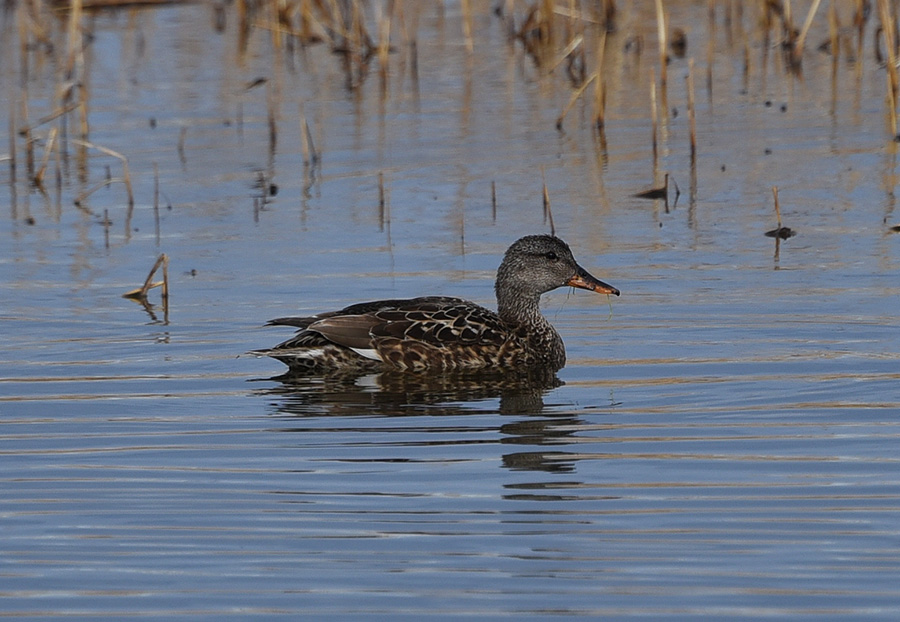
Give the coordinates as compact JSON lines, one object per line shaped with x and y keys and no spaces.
{"x":446,"y":334}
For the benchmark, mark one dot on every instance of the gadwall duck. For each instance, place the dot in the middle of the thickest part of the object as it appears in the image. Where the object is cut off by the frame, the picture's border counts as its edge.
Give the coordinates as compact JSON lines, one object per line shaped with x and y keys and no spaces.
{"x":446,"y":334}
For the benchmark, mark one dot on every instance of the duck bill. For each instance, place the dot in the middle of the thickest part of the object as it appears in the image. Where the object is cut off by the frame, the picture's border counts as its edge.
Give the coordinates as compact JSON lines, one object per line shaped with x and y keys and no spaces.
{"x":583,"y":280}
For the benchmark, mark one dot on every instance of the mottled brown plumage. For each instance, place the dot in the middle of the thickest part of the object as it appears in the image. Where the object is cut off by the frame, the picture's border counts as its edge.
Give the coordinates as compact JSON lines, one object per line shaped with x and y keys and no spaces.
{"x":436,"y":333}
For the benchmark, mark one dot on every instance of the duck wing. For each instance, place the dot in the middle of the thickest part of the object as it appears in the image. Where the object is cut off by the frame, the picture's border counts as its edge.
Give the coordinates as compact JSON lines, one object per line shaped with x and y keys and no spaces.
{"x":422,"y":334}
{"x":361,"y":308}
{"x":416,"y":334}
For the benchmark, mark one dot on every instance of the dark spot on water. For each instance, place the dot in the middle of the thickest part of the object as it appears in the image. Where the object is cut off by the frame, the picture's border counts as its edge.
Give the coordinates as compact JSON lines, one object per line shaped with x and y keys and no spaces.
{"x":781,"y":233}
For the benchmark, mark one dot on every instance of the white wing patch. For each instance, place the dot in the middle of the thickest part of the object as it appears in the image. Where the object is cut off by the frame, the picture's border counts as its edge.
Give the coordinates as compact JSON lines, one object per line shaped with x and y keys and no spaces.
{"x":310,"y":353}
{"x":368,"y":353}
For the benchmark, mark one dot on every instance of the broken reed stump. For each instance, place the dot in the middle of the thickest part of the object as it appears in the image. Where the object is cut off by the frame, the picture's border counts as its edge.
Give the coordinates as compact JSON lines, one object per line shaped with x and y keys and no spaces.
{"x":140,"y":294}
{"x":661,"y":192}
{"x":781,"y":232}
{"x":658,"y":192}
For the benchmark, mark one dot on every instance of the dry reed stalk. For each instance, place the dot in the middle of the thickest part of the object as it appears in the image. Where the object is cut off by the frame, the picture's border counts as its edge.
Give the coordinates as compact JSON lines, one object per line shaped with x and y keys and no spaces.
{"x":548,"y":20}
{"x":833,"y":38}
{"x":83,"y":111}
{"x":361,"y":40}
{"x":777,"y":208}
{"x":165,"y":283}
{"x":12,"y":142}
{"x":467,"y":25}
{"x":51,"y":144}
{"x":23,"y":32}
{"x":50,"y":117}
{"x":892,"y":110}
{"x":493,"y":201}
{"x":156,"y":201}
{"x":574,"y":16}
{"x":74,"y":66}
{"x":29,"y":139}
{"x":106,"y":223}
{"x":781,"y":232}
{"x":888,"y":33}
{"x":304,"y":138}
{"x":746,"y":65}
{"x":663,"y":59}
{"x":270,"y":110}
{"x":409,"y":21}
{"x":576,"y":41}
{"x":243,"y":27}
{"x":787,"y":19}
{"x":509,"y":18}
{"x":599,"y":84}
{"x":797,"y":49}
{"x":548,"y":212}
{"x":73,"y":31}
{"x":691,"y":112}
{"x":384,"y":42}
{"x":310,"y":155}
{"x":710,"y":48}
{"x":860,"y":13}
{"x":573,"y":99}
{"x":101,"y":184}
{"x":57,"y":170}
{"x":336,"y":21}
{"x":305,"y":20}
{"x":654,"y":116}
{"x":384,"y":205}
{"x":182,"y":134}
{"x":126,"y":176}
{"x":544,"y":194}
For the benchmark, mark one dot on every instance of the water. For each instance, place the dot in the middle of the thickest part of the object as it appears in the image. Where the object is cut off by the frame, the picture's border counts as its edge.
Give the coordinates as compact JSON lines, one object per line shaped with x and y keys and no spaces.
{"x":724,"y":440}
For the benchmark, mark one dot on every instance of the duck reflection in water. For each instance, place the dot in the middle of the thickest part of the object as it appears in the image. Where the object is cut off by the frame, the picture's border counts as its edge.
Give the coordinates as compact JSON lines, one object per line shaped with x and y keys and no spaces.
{"x":393,"y":393}
{"x":398,"y":395}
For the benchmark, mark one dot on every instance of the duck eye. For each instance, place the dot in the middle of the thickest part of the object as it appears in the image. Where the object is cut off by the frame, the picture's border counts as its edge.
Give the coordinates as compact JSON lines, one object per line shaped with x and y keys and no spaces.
{"x":552,"y":256}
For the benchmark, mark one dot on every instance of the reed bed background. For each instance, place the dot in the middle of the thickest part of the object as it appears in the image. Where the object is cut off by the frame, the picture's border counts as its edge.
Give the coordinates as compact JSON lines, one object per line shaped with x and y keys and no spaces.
{"x":723,"y":439}
{"x":582,"y":53}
